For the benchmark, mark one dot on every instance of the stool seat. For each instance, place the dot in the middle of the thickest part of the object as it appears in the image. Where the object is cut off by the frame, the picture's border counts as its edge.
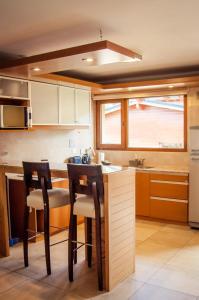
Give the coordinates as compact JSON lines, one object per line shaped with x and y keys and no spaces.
{"x":57,"y":197}
{"x":84,"y":206}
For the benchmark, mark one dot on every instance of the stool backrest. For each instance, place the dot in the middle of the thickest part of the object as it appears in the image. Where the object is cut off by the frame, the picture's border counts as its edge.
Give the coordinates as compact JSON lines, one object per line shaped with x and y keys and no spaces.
{"x":86,"y":179}
{"x":36,"y":174}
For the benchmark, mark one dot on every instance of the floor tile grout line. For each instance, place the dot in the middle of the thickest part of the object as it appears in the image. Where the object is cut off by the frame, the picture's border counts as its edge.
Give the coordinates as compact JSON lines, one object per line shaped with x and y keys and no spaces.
{"x":144,"y":283}
{"x":165,"y":288}
{"x":15,"y":285}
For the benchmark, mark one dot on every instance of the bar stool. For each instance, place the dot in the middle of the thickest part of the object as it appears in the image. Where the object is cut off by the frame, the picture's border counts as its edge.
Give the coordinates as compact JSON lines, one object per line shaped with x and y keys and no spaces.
{"x":40,"y":195}
{"x":87,"y":182}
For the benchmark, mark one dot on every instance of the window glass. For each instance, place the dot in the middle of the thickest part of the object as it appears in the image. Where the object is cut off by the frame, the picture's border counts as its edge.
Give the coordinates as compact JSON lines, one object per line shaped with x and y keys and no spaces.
{"x":110,"y":114}
{"x":156,"y":122}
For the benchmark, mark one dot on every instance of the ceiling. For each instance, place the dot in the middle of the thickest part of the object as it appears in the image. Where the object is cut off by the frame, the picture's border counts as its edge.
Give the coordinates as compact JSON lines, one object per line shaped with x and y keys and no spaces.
{"x":165,"y":33}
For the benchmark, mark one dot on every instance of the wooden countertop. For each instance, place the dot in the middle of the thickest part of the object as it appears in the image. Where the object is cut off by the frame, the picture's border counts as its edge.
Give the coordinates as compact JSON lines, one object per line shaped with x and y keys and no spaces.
{"x":60,"y":167}
{"x":164,"y":169}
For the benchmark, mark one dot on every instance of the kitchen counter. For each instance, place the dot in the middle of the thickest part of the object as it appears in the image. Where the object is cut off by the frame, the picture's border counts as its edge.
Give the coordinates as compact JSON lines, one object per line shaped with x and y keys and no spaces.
{"x":63,"y":167}
{"x":119,"y":209}
{"x":164,"y":169}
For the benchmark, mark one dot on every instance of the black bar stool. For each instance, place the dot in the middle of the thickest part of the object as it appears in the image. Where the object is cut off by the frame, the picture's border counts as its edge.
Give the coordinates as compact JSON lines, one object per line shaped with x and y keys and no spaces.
{"x":40,"y":195}
{"x":87,"y":182}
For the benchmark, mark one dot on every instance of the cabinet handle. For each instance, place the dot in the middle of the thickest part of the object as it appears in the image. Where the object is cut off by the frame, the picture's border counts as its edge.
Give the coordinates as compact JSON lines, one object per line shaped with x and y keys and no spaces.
{"x":169,"y":199}
{"x":170,"y":182}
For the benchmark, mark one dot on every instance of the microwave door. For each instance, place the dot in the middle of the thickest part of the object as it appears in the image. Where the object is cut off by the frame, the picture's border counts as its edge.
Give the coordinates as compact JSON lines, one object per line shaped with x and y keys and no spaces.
{"x":14,"y":116}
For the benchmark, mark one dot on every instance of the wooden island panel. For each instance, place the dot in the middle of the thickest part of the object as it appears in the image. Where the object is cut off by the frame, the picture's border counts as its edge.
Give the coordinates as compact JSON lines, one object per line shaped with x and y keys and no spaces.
{"x":119,"y":226}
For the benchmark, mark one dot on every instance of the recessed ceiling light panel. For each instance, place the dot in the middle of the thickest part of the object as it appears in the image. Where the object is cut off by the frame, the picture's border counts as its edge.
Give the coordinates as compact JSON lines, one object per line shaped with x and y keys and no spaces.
{"x":36,"y":69}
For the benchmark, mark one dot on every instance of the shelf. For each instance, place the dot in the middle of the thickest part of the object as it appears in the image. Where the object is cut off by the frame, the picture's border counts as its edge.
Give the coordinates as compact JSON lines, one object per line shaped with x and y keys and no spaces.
{"x":17,"y":129}
{"x":60,"y":126}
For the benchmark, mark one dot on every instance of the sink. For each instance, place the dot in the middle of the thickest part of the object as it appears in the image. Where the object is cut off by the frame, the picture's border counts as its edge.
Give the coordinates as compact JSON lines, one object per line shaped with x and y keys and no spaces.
{"x":145,"y":167}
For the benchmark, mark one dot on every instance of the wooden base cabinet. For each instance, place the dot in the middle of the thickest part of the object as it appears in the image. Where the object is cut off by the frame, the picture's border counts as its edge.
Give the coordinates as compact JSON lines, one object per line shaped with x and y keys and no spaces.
{"x":142,"y":194}
{"x":162,"y":196}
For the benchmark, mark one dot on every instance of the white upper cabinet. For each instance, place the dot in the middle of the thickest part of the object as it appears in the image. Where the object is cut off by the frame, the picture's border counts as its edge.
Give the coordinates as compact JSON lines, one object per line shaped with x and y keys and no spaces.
{"x":66,"y":105}
{"x":82,"y":104}
{"x":45,"y":103}
{"x":59,"y":105}
{"x":14,"y":88}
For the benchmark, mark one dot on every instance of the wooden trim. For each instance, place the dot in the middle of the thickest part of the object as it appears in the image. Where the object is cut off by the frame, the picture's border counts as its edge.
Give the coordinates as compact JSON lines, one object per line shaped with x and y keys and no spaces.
{"x":122,"y":50}
{"x":70,"y":80}
{"x":70,"y":52}
{"x":99,"y":128}
{"x":157,"y":149}
{"x":124,"y":128}
{"x":59,"y":126}
{"x":101,"y":95}
{"x":4,"y":231}
{"x":175,"y":80}
{"x":185,"y":123}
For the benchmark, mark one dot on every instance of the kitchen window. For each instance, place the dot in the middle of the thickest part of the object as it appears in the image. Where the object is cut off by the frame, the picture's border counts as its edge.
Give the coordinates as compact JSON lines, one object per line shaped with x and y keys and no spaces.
{"x":150,"y":123}
{"x":110,"y":121}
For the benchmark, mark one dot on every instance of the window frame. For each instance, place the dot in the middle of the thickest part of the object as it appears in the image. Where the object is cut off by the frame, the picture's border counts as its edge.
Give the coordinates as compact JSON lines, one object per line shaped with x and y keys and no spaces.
{"x":120,"y":146}
{"x":124,"y":128}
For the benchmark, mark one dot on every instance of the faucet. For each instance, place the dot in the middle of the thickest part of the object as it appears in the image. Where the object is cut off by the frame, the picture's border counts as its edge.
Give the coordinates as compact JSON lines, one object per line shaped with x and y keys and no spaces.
{"x":137,"y":162}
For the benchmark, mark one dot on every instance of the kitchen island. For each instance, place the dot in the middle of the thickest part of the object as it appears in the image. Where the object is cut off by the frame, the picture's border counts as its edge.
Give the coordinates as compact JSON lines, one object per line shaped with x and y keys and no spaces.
{"x":119,"y":218}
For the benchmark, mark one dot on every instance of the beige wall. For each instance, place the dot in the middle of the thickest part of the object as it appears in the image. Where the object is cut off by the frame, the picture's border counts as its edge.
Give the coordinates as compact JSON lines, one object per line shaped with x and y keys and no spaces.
{"x":180,"y":159}
{"x":54,"y":145}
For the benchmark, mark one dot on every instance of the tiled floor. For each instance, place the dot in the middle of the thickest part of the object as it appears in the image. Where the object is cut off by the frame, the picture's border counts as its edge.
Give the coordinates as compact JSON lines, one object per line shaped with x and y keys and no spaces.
{"x":167,"y":268}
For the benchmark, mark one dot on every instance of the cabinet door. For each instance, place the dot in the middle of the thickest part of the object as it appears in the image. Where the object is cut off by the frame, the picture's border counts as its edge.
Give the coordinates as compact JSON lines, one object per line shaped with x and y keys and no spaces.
{"x":45,"y":103}
{"x":169,"y":209}
{"x":142,"y":194}
{"x":66,"y":105}
{"x":14,"y":88}
{"x":82,"y":102}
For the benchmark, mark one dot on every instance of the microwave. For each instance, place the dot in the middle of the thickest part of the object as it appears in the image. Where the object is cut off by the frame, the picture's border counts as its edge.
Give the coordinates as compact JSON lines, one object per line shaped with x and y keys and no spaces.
{"x":13,"y":116}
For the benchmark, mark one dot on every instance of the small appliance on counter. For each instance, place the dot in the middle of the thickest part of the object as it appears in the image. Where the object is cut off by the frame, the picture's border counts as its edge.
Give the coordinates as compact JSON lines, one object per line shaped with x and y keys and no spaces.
{"x":75,"y":159}
{"x":88,"y":156}
{"x":86,"y":159}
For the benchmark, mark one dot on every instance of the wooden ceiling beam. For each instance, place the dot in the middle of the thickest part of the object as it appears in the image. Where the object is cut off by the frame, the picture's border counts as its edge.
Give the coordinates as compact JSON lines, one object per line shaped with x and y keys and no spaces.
{"x":71,"y":80}
{"x":186,"y":80}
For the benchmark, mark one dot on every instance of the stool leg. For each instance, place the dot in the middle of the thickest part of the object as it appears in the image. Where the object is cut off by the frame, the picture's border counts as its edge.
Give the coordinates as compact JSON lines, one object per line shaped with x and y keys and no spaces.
{"x":47,"y":239}
{"x":75,"y":238}
{"x":99,"y":252}
{"x":25,"y":236}
{"x":89,"y":240}
{"x":71,"y":246}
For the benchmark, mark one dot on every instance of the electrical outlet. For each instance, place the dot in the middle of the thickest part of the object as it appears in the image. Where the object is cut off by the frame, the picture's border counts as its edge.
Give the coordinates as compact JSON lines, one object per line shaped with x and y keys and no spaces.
{"x":71,"y":143}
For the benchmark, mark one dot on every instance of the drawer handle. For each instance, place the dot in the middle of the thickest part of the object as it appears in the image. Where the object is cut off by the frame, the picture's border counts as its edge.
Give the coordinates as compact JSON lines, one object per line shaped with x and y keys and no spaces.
{"x":170,"y":182}
{"x":169,"y":199}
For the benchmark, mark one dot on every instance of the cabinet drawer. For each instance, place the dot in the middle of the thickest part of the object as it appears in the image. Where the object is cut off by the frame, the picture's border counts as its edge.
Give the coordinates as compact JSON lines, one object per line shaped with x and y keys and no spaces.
{"x":169,"y":209}
{"x":169,"y":189}
{"x":169,"y":177}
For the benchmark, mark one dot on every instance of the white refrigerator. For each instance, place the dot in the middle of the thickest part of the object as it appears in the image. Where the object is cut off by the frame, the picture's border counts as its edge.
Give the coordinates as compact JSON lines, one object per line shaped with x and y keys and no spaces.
{"x":194,"y":177}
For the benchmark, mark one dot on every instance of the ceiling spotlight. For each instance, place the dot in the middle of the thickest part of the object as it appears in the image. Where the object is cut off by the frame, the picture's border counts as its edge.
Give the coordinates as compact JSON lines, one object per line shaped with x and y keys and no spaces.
{"x":88,"y":59}
{"x":171,"y":86}
{"x":36,"y":69}
{"x":132,"y":59}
